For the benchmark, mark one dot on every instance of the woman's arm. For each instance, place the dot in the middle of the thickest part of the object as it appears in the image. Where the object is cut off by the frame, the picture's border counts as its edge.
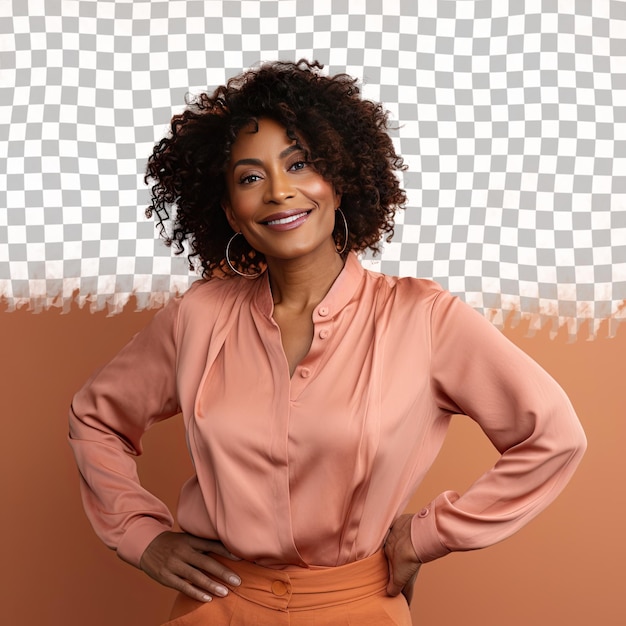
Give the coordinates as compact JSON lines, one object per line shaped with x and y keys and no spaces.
{"x":476,"y":371}
{"x":108,"y":418}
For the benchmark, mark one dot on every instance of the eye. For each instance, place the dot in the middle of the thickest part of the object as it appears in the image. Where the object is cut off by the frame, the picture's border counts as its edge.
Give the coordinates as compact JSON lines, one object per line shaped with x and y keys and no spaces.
{"x":298,"y":165}
{"x":250,"y":178}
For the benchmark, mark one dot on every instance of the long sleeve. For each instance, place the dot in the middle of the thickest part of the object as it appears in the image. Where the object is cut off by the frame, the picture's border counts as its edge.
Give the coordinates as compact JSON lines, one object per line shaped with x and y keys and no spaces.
{"x":396,"y":356}
{"x":476,"y":371}
{"x":108,"y":417}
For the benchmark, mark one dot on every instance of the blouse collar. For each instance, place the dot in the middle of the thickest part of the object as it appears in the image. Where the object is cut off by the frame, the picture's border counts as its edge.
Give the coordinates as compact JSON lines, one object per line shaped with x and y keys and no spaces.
{"x":340,"y":293}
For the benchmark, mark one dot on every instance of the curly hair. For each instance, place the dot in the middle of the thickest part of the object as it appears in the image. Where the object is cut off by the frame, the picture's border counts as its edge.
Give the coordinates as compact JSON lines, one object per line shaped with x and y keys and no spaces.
{"x":345,"y":138}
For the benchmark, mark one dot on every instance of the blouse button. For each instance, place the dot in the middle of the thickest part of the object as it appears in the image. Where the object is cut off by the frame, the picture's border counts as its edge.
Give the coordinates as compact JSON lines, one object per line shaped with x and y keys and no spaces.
{"x":323,"y":311}
{"x":324,"y":333}
{"x":424,"y":512}
{"x":305,"y":372}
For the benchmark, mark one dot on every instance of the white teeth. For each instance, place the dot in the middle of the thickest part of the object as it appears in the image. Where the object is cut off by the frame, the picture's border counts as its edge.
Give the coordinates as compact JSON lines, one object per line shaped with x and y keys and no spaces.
{"x":286,"y":220}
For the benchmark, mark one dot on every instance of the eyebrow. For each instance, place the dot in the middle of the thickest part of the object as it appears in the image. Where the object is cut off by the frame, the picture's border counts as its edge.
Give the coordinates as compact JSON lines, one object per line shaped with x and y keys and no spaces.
{"x":294,"y":147}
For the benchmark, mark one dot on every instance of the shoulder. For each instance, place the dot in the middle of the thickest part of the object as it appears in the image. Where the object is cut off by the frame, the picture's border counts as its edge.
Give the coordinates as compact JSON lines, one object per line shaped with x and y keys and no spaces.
{"x":213,"y":292}
{"x":210,"y":302}
{"x":401,"y":301}
{"x":408,"y":288}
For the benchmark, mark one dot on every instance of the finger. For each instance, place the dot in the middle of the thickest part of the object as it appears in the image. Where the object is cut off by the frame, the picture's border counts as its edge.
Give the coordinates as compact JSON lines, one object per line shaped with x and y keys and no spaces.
{"x":407,"y":590}
{"x":179,"y":583}
{"x":195,"y":593}
{"x":400,"y":577}
{"x":392,"y":588}
{"x":191,"y":579}
{"x":207,"y":545}
{"x":220,"y":548}
{"x":214,"y":568}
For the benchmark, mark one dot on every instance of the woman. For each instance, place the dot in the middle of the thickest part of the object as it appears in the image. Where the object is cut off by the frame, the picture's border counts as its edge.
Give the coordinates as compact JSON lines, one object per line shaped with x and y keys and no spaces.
{"x":315,"y":394}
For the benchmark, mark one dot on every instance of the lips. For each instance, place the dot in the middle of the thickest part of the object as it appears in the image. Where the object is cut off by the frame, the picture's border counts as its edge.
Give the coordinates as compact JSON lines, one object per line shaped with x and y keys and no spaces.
{"x":286,"y":220}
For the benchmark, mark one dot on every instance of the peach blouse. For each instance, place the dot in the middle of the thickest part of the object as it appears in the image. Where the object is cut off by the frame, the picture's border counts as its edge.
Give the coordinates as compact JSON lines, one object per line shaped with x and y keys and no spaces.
{"x":312,"y":470}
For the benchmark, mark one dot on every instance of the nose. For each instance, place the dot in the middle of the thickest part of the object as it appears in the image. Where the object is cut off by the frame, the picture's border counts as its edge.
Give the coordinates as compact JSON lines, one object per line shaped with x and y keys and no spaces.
{"x":278,"y":187}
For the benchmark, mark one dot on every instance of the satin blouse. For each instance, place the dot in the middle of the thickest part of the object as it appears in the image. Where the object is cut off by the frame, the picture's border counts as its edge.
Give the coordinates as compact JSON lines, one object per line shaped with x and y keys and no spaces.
{"x":311,"y":470}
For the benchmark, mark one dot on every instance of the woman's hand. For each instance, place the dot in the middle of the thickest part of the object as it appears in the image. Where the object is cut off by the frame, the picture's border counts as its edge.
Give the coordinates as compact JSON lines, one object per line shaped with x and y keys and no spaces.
{"x":180,"y":561}
{"x":403,"y":562}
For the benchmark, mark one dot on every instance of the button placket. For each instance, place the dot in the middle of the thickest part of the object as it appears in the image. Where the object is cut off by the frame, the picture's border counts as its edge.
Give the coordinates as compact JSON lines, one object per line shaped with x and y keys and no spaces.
{"x":321,"y":332}
{"x":324,"y":313}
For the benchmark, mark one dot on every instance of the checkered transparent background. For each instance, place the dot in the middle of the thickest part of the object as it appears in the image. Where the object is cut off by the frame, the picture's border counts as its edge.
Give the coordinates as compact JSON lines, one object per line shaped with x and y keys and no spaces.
{"x":512,"y":119}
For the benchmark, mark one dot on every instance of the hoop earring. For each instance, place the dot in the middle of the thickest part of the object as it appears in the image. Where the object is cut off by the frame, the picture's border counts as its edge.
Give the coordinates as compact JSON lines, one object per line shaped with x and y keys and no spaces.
{"x":232,"y":267}
{"x":347,"y":232}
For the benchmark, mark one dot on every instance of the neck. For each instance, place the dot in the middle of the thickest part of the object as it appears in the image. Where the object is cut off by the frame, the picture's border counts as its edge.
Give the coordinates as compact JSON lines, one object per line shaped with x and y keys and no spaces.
{"x":301,"y":284}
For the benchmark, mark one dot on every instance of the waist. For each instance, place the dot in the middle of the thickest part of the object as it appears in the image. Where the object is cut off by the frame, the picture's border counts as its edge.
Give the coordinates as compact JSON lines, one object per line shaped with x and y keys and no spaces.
{"x":303,"y":589}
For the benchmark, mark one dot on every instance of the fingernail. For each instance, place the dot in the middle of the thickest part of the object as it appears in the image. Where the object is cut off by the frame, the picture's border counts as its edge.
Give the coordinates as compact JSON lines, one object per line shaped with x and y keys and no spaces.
{"x":206,"y":598}
{"x":234,"y":580}
{"x":222,"y":591}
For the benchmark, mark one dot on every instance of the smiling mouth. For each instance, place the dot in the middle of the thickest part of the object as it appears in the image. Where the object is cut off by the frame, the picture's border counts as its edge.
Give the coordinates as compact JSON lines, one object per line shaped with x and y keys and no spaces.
{"x":287,"y":220}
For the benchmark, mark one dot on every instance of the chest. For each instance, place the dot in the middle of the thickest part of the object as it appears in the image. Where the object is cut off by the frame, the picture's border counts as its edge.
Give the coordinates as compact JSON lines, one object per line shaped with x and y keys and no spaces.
{"x":267,"y":387}
{"x":296,"y":335}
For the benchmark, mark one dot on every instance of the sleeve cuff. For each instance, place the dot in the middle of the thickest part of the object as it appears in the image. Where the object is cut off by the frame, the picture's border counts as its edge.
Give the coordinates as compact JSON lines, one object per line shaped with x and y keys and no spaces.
{"x":424,"y":536}
{"x":138,"y":537}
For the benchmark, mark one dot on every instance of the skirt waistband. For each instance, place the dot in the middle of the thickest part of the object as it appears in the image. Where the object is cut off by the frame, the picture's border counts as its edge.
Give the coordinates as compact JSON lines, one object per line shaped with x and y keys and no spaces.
{"x":304,"y":589}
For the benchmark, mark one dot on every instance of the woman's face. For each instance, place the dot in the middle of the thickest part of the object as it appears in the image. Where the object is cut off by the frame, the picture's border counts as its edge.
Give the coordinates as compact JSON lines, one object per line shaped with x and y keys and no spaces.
{"x":281,"y":205}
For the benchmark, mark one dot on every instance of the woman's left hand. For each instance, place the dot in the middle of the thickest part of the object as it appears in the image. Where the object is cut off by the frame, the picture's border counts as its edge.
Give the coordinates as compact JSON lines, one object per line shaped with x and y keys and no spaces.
{"x":403,"y":562}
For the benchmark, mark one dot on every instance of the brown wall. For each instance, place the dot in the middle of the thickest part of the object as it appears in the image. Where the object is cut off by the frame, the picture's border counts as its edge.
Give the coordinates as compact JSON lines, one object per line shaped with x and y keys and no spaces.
{"x":566,"y":567}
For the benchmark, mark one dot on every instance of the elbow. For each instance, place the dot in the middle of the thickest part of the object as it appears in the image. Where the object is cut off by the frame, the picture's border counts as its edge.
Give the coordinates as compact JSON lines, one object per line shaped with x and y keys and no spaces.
{"x":575,"y":437}
{"x":572,"y":441}
{"x":579,"y":444}
{"x":564,"y":429}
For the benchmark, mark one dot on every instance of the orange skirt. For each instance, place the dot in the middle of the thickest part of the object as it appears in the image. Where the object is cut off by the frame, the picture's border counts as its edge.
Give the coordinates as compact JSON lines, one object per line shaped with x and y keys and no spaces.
{"x":349,"y":595}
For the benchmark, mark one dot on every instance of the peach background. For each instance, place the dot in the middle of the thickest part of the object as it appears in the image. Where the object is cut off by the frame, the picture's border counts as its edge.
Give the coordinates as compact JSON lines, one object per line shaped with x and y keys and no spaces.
{"x":566,"y":567}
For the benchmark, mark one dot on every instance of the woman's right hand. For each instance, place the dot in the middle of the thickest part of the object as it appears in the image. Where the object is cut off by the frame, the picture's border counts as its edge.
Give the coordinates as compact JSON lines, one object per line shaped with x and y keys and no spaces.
{"x":181,"y":561}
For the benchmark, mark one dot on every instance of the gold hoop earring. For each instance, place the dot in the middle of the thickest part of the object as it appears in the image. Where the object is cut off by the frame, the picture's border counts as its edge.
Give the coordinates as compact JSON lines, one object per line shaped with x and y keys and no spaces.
{"x":232,"y":267}
{"x":347,"y":232}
